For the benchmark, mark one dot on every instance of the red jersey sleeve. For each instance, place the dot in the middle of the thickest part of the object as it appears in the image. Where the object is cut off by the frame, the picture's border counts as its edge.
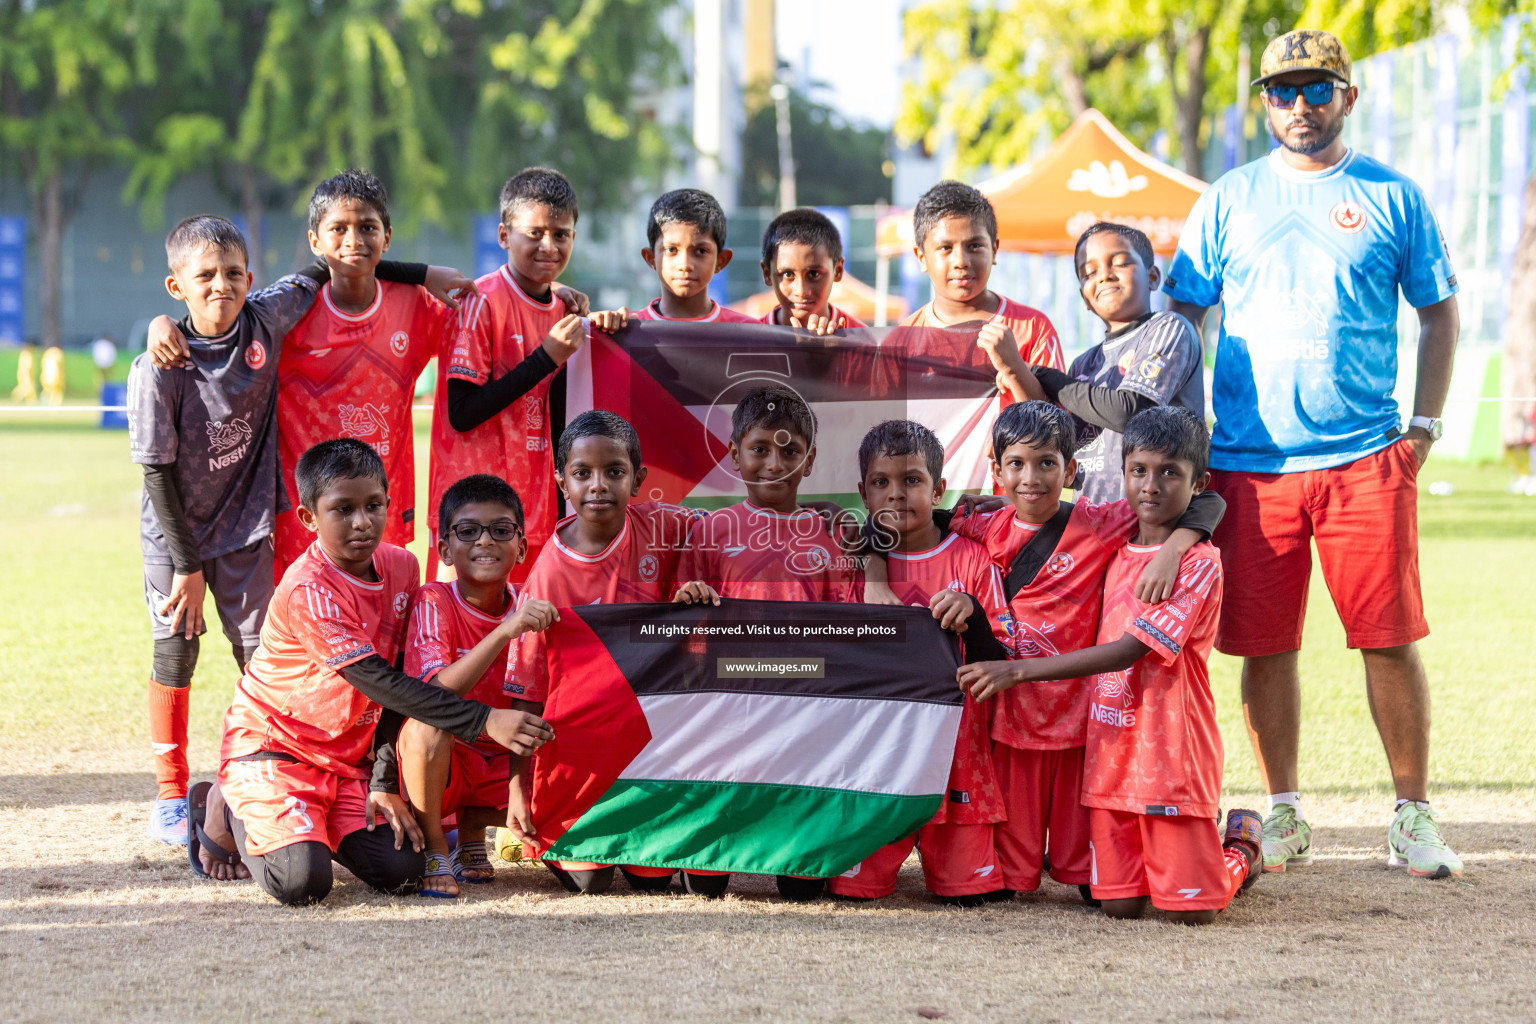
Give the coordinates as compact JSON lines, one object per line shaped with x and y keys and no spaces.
{"x":429,"y":640}
{"x":329,"y":629}
{"x":1111,"y":522}
{"x":470,"y":354}
{"x":432,"y":326}
{"x":1165,"y":627}
{"x":1038,"y":343}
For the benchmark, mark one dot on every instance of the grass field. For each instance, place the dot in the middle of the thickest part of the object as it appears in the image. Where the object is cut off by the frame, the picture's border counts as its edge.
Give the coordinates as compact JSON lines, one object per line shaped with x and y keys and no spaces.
{"x":97,"y":922}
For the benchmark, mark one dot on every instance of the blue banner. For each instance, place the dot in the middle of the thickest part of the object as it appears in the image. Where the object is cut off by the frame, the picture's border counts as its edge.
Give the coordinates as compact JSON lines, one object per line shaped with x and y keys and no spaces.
{"x":13,"y":269}
{"x":488,"y":251}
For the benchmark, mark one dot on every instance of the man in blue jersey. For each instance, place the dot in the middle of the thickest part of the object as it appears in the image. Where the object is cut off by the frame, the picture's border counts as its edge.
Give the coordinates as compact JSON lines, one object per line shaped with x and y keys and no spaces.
{"x":1307,"y":250}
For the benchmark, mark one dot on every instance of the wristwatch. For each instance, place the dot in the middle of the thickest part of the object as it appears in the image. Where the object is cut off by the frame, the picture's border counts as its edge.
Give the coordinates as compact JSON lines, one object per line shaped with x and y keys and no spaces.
{"x":1432,"y":424}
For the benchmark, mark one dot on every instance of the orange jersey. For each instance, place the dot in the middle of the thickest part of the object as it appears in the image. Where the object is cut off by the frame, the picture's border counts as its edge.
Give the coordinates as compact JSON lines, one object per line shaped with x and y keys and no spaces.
{"x":638,"y":566}
{"x":960,"y":565}
{"x":292,"y":698}
{"x":345,"y":375}
{"x":718,"y":314}
{"x":1056,"y":614}
{"x":749,"y":552}
{"x":774,"y":315}
{"x":1031,"y":328}
{"x":1153,"y":746}
{"x":495,"y":331}
{"x":444,"y":628}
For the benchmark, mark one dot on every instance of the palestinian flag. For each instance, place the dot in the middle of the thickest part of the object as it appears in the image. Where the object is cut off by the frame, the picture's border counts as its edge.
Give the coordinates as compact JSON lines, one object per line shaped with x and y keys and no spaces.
{"x":760,"y":736}
{"x":677,"y":383}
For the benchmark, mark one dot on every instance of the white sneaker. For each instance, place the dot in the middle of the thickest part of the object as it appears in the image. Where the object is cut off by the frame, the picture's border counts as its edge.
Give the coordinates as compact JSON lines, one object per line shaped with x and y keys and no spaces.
{"x":1414,"y":842}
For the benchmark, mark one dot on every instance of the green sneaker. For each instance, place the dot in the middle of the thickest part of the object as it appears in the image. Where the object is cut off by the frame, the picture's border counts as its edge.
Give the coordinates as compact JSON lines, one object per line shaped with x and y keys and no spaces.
{"x":1414,"y":843}
{"x":1287,"y":840}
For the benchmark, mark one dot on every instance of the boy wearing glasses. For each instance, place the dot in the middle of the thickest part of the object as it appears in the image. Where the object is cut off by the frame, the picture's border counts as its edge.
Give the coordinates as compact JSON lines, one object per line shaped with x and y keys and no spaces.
{"x":458,"y":638}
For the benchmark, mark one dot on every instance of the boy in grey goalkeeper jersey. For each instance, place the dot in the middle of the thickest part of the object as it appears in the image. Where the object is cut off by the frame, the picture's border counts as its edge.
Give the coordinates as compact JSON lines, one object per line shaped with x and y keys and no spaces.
{"x":206,"y":435}
{"x":1145,"y":359}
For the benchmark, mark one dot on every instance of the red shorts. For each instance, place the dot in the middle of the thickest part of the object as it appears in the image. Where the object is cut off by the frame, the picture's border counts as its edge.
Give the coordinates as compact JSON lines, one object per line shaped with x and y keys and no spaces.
{"x":1042,"y":792}
{"x":476,"y":779}
{"x":1179,"y":862}
{"x":285,"y":802}
{"x":1365,"y":519}
{"x":958,"y":860}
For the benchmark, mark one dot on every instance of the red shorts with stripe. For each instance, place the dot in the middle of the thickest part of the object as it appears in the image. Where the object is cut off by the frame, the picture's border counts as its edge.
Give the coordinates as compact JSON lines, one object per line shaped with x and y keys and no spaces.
{"x":1042,"y":796}
{"x":958,"y":860}
{"x":285,"y":802}
{"x":475,"y":779}
{"x":1179,"y":862}
{"x":1364,"y":518}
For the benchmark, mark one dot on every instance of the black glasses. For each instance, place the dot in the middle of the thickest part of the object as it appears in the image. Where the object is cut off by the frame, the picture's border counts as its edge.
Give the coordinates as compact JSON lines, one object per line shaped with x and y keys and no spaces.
{"x":1317,"y":94}
{"x":468,"y":533}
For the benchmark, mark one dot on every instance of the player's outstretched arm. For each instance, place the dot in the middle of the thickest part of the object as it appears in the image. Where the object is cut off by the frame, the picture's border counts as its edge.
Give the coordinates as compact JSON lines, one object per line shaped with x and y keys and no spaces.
{"x":166,"y":345}
{"x":983,"y":679}
{"x":533,"y":616}
{"x":1160,"y":577}
{"x":573,"y":300}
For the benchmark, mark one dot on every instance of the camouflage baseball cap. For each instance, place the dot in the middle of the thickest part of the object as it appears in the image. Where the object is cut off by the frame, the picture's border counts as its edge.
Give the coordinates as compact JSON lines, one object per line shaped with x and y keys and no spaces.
{"x":1304,"y":50}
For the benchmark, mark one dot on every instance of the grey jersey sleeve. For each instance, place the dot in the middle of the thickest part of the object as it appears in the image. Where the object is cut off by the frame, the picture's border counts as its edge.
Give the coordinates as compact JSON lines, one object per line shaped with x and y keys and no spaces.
{"x":284,"y":302}
{"x":1167,"y":352}
{"x":154,"y":406}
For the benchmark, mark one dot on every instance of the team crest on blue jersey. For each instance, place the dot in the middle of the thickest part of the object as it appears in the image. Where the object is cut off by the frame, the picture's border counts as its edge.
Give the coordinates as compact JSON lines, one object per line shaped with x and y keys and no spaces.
{"x":1347,"y":217}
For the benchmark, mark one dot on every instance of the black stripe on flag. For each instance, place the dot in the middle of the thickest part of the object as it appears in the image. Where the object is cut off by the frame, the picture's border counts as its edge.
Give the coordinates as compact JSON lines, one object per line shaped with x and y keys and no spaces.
{"x":680,"y":651}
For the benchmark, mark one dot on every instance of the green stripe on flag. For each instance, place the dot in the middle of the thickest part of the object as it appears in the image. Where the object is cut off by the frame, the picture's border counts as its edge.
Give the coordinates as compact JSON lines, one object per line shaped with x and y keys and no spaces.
{"x":732,"y":826}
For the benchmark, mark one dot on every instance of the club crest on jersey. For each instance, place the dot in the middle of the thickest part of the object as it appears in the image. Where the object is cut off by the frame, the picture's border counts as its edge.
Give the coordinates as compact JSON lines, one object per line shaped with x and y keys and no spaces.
{"x":400,"y":602}
{"x":1125,"y":362}
{"x":956,"y":586}
{"x":363,"y":422}
{"x":399,"y":342}
{"x":1061,"y":562}
{"x":224,"y":436}
{"x":256,"y":355}
{"x":649,"y":567}
{"x":1151,"y":367}
{"x":1347,"y":217}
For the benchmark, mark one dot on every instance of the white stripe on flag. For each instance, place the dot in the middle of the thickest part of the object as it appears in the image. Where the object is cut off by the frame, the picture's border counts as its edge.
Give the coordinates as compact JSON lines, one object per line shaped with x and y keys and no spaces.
{"x":872,"y":746}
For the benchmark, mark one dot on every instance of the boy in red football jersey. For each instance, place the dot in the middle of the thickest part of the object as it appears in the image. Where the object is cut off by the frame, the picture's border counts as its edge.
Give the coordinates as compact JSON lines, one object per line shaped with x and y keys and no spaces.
{"x":685,"y":245}
{"x":802,"y":260}
{"x":1053,"y":556}
{"x":612,"y":550}
{"x":458,"y":639}
{"x":901,"y":463}
{"x":292,"y":791}
{"x":1152,"y":765}
{"x":956,"y":231}
{"x":769,"y":547}
{"x":491,"y":410}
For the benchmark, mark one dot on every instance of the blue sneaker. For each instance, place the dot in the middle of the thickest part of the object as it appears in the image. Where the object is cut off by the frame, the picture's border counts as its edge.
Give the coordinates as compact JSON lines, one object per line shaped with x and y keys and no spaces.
{"x":168,"y":821}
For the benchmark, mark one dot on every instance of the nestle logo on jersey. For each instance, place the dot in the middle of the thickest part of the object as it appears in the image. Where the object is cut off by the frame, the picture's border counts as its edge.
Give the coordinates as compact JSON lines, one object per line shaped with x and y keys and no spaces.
{"x":1116,"y":717}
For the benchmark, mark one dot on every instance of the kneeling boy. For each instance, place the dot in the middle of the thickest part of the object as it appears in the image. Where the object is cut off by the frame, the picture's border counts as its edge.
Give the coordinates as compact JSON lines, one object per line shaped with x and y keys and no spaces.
{"x":458,"y":639}
{"x":1152,"y":765}
{"x":297,"y":736}
{"x":901,"y":465}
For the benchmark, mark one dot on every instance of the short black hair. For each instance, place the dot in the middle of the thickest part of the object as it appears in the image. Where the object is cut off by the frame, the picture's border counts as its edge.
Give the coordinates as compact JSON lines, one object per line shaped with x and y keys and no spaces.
{"x":686,"y":206}
{"x":804,"y":226}
{"x":474,"y":490}
{"x":1141,"y":245}
{"x":353,"y":185}
{"x":951,"y":199}
{"x":1169,"y":430}
{"x":902,"y":437}
{"x":538,"y":186}
{"x":598,"y":423}
{"x":189,"y":238}
{"x":341,"y":458}
{"x":772,"y":405}
{"x":1036,"y":424}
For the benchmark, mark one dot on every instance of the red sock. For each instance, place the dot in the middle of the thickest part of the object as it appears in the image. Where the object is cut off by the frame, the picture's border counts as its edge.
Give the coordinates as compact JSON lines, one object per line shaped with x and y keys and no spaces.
{"x":1237,"y":870}
{"x":168,"y":738}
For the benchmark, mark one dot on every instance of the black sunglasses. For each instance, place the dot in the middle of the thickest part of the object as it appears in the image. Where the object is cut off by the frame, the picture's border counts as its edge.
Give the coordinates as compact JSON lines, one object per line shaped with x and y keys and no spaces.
{"x":1317,"y":94}
{"x":468,"y":533}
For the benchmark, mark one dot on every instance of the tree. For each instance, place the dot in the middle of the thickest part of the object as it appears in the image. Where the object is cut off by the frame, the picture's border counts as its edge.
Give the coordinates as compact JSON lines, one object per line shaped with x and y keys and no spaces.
{"x":846,"y":160}
{"x":64,"y":68}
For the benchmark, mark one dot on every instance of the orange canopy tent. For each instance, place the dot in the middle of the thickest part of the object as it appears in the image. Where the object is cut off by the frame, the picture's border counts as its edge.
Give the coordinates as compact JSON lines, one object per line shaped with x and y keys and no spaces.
{"x":850,"y":295}
{"x":1090,"y":173}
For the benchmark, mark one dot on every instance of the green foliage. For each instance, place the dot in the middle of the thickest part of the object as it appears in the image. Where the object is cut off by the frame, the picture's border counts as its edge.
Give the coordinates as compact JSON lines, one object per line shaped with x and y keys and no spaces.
{"x":1370,"y":26}
{"x":836,"y":163}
